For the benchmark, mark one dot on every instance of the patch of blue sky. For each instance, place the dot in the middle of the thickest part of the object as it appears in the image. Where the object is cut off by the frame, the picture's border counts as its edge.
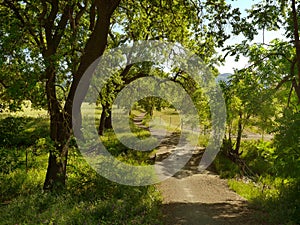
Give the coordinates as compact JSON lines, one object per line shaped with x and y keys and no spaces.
{"x":230,"y":64}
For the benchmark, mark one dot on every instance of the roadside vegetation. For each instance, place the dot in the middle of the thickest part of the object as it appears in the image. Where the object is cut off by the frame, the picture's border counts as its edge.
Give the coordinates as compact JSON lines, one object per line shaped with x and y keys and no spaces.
{"x":263,"y":176}
{"x":88,"y":198}
{"x":46,"y":50}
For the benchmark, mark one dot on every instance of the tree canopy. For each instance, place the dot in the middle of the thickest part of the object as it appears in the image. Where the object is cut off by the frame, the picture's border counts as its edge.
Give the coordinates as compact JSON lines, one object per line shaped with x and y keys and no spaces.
{"x":47,"y":45}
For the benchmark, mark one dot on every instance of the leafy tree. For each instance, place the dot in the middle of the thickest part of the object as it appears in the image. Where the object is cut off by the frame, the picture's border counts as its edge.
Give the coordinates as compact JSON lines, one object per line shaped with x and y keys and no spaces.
{"x":250,"y":101}
{"x":64,"y":37}
{"x":272,"y":15}
{"x":48,"y":45}
{"x":191,"y":23}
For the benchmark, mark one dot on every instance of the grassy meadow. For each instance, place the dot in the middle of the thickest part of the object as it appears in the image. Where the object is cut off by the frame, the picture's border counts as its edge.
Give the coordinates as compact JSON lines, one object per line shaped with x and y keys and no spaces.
{"x":92,"y":199}
{"x":88,"y":197}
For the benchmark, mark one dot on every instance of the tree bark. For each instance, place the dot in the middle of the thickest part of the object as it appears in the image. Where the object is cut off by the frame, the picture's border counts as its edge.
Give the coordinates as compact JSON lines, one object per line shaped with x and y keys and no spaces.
{"x":61,"y":118}
{"x":102,"y":121}
{"x":93,"y":50}
{"x":105,"y":119}
{"x":57,"y":167}
{"x":239,"y":134}
{"x":60,"y":133}
{"x":297,"y":46}
{"x":108,"y":122}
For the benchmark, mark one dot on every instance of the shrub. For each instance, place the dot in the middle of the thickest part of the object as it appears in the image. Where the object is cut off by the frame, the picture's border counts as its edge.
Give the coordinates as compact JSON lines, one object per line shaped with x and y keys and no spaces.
{"x":22,"y":131}
{"x":287,"y":142}
{"x":259,"y":155}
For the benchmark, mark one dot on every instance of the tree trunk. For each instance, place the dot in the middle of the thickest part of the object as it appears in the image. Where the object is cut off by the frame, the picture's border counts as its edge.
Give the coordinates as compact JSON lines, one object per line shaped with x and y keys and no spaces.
{"x":108,"y":122}
{"x":297,"y":46}
{"x":60,"y":133}
{"x":105,"y":119}
{"x":61,"y":118}
{"x":57,"y":168}
{"x":239,"y":135}
{"x":102,"y":121}
{"x":94,"y":48}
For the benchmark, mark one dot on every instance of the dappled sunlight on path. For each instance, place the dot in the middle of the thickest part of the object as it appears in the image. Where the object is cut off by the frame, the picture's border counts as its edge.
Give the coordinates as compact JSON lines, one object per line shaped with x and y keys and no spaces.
{"x":191,"y":197}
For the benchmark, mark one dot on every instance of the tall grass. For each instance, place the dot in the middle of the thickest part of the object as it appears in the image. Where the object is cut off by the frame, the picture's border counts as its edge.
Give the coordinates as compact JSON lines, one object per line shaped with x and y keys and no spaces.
{"x":276,"y":195}
{"x":88,"y":197}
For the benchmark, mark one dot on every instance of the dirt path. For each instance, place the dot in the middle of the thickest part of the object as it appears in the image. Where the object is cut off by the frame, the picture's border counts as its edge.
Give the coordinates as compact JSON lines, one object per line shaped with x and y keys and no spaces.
{"x":194,"y":198}
{"x":204,"y":199}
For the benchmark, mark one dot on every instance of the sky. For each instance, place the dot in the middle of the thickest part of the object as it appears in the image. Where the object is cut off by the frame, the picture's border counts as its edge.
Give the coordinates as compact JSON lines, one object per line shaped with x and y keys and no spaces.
{"x":230,"y":64}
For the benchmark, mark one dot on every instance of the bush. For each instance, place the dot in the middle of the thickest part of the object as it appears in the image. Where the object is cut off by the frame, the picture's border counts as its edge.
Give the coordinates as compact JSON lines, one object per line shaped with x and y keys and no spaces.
{"x":11,"y":131}
{"x":21,"y":136}
{"x":259,"y":155}
{"x":278,"y":198}
{"x":287,"y":142}
{"x":225,"y":167}
{"x":10,"y":159}
{"x":22,"y":131}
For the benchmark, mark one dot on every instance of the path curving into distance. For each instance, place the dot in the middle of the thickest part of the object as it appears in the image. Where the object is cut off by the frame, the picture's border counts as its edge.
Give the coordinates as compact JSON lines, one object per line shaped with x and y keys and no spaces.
{"x":194,"y":198}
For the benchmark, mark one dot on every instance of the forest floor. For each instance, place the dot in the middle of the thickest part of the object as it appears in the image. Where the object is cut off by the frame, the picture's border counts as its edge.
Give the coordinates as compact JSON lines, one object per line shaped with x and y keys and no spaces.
{"x":200,"y":198}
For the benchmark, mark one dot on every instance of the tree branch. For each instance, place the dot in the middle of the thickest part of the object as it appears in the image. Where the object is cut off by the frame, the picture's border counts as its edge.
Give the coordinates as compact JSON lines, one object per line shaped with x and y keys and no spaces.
{"x":3,"y":84}
{"x":9,"y":4}
{"x":81,"y":12}
{"x":290,"y":95}
{"x":284,"y":80}
{"x":61,"y":26}
{"x":92,"y":16}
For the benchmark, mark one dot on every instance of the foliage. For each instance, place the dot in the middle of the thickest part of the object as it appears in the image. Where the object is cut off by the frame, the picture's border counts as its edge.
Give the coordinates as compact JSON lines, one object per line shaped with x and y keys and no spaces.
{"x":278,"y":198}
{"x":272,"y":77}
{"x":20,"y":142}
{"x":17,"y":131}
{"x":89,"y":197}
{"x":278,"y":62}
{"x":260,"y":156}
{"x":287,"y":142}
{"x":225,"y":167}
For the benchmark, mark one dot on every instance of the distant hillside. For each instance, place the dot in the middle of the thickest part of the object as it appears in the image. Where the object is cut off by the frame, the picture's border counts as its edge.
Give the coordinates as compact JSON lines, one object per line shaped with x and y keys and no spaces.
{"x":223,"y":77}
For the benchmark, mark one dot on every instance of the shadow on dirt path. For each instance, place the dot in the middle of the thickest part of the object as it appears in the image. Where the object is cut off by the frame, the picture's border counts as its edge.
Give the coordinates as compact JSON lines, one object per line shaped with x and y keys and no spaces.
{"x":192,"y":197}
{"x":205,"y":214}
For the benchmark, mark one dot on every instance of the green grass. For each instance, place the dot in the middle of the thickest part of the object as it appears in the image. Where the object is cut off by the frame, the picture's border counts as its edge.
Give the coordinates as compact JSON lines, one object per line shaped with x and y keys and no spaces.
{"x":278,"y":197}
{"x":26,"y":111}
{"x":225,"y":167}
{"x":167,"y":118}
{"x":88,"y":198}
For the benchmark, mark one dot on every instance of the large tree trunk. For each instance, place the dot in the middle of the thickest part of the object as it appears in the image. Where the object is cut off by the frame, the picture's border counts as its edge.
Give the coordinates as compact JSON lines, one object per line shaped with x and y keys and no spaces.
{"x":94,"y":49}
{"x":105,"y":119}
{"x":60,"y":133}
{"x":296,"y":83}
{"x":61,"y":118}
{"x":57,"y":166}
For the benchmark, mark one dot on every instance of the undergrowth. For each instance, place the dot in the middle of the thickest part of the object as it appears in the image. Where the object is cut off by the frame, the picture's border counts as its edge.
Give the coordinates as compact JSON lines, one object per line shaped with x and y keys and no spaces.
{"x":277,"y":195}
{"x":88,"y":197}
